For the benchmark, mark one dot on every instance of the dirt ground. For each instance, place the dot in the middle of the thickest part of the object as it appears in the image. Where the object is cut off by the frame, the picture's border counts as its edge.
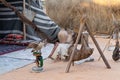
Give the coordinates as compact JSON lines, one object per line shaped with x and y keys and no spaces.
{"x":95,"y":70}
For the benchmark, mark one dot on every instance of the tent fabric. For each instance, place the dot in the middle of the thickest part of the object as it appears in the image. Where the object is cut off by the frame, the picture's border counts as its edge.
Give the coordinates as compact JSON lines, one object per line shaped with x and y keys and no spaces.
{"x":10,"y":23}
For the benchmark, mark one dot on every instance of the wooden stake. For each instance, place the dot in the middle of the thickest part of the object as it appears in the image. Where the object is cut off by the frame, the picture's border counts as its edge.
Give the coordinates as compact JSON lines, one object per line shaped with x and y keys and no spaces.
{"x":53,"y":50}
{"x":24,"y":27}
{"x":82,"y":22}
{"x":105,"y":47}
{"x":97,"y":46}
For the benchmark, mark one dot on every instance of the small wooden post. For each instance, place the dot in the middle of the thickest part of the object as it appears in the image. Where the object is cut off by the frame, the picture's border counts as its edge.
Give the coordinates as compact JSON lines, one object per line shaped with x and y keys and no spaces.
{"x":82,"y":22}
{"x":97,"y":46}
{"x":53,"y":50}
{"x":24,"y":27}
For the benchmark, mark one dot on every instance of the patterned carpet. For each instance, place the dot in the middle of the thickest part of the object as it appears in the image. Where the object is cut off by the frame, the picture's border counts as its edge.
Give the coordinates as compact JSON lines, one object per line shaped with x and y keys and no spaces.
{"x":18,"y":59}
{"x":5,"y":48}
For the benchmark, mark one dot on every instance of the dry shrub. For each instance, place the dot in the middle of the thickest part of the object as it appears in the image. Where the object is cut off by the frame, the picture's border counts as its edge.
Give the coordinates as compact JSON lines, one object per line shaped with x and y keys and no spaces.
{"x":67,"y":13}
{"x":58,"y":10}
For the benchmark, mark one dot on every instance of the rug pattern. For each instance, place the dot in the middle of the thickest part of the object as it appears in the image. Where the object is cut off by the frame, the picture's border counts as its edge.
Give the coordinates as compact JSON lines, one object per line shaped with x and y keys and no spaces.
{"x":5,"y":48}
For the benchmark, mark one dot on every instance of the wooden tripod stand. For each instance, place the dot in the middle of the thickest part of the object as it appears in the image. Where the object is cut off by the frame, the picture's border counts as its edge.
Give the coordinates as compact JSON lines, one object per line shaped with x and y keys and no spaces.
{"x":116,"y":55}
{"x":82,"y":24}
{"x":115,"y":30}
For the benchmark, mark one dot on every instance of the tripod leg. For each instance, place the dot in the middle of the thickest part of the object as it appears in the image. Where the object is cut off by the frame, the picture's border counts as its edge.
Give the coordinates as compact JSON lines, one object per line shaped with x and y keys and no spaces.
{"x":82,"y":24}
{"x":97,"y":46}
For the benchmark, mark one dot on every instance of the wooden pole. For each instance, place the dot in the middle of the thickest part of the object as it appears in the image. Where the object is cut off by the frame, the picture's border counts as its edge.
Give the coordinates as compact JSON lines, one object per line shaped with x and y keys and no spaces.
{"x":82,"y":22}
{"x":111,"y":35}
{"x":53,"y":50}
{"x":105,"y":47}
{"x":24,"y":27}
{"x":97,"y":46}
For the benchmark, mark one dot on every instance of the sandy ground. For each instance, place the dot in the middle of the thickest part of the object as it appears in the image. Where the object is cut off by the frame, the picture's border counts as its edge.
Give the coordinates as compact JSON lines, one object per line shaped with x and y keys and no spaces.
{"x":95,"y":70}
